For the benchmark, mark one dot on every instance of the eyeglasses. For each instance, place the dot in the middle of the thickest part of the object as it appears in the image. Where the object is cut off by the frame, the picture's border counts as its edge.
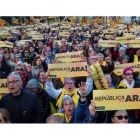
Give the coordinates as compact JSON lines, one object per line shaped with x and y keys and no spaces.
{"x":26,"y":52}
{"x":121,"y":117}
{"x":65,"y":104}
{"x":129,"y":74}
{"x":94,"y":59}
{"x":69,"y":83}
{"x":19,"y":69}
{"x":13,"y":82}
{"x":17,"y":57}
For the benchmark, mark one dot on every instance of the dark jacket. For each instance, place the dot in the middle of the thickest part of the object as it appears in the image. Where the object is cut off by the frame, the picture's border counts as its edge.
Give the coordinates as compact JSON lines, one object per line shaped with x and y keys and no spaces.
{"x":6,"y":69}
{"x":25,"y":108}
{"x":45,"y":102}
{"x":29,"y":60}
{"x":2,"y":75}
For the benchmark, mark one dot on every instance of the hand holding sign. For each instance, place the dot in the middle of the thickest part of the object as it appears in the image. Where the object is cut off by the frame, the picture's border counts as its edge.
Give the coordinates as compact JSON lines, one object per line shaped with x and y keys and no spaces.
{"x":47,"y":76}
{"x":92,"y":108}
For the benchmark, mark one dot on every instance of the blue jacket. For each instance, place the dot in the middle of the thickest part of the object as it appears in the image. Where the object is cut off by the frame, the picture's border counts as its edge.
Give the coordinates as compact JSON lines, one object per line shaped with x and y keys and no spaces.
{"x":79,"y":113}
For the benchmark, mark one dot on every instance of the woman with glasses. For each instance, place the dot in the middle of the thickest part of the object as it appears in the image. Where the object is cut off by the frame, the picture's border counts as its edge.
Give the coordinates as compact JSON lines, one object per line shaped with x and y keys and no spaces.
{"x":128,"y":81}
{"x":69,"y":89}
{"x":25,"y":75}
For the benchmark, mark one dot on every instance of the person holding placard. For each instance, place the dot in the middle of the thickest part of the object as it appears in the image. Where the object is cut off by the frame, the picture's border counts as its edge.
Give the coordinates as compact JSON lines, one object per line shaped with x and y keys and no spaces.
{"x":69,"y":89}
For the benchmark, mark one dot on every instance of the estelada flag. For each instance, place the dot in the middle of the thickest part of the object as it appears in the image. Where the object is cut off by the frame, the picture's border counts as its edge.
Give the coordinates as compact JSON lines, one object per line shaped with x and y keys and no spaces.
{"x":128,"y":27}
{"x":133,"y":23}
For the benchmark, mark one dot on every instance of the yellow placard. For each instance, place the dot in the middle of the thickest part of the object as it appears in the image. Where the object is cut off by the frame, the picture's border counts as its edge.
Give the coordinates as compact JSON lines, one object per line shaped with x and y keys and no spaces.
{"x":135,"y":66}
{"x":3,"y":86}
{"x":68,"y":69}
{"x":119,"y":99}
{"x":107,"y":43}
{"x":98,"y":76}
{"x":135,"y":43}
{"x":125,"y":39}
{"x":69,"y":57}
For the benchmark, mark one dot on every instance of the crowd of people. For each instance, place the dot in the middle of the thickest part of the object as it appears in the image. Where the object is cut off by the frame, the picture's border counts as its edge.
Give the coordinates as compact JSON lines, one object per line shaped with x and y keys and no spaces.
{"x":34,"y":97}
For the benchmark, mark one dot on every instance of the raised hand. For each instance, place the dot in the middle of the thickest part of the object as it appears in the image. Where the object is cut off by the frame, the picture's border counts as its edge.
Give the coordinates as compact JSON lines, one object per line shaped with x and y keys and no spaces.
{"x":47,"y":76}
{"x":83,"y":89}
{"x":92,"y":108}
{"x":28,"y":67}
{"x":42,"y":57}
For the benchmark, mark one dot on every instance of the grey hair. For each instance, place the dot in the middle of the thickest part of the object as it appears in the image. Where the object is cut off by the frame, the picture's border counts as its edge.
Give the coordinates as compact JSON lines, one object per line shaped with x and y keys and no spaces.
{"x":122,"y":48}
{"x":101,"y":54}
{"x":18,"y":55}
{"x":108,"y":75}
{"x":15,"y":74}
{"x":33,"y":83}
{"x":66,"y":98}
{"x":91,"y":56}
{"x":12,"y":54}
{"x":124,"y":57}
{"x":54,"y":119}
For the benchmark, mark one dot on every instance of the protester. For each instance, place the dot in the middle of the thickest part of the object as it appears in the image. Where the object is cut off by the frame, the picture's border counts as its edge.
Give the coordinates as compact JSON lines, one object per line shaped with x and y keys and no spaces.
{"x":31,"y":52}
{"x":23,"y":106}
{"x":34,"y":86}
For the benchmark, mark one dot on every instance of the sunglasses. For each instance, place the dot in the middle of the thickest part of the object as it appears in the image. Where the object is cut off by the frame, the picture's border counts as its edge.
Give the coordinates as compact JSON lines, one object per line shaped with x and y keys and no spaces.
{"x":129,"y":74}
{"x":19,"y":69}
{"x":121,"y":117}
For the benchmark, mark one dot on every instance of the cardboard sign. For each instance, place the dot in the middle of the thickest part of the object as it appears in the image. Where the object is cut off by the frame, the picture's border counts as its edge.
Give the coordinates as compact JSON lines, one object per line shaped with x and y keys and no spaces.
{"x":134,"y":43}
{"x":125,"y":39}
{"x":107,"y":43}
{"x":3,"y":86}
{"x":135,"y":66}
{"x":68,"y":69}
{"x":69,"y":57}
{"x":119,"y":99}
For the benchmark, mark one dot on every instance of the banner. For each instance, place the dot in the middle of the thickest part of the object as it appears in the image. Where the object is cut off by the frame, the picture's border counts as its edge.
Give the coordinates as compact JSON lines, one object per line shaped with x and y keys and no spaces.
{"x":135,"y":66}
{"x":98,"y":77}
{"x":125,"y":39}
{"x":107,"y":43}
{"x":69,"y":57}
{"x":3,"y":86}
{"x":68,"y":69}
{"x":134,"y":43}
{"x":119,"y":99}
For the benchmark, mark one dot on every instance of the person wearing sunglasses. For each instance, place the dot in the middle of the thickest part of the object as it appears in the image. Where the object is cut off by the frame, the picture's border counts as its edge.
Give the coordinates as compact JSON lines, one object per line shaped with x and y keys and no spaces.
{"x":128,"y":81}
{"x":24,"y":74}
{"x":117,"y":116}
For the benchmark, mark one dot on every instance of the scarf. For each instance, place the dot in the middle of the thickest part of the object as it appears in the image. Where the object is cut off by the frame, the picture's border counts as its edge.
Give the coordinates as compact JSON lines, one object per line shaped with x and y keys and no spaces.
{"x":48,"y":60}
{"x":111,"y":86}
{"x":103,"y":63}
{"x":136,"y":58}
{"x":68,"y":119}
{"x":127,"y":85}
{"x":73,"y":93}
{"x":63,"y":116}
{"x":116,"y":73}
{"x":41,"y":84}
